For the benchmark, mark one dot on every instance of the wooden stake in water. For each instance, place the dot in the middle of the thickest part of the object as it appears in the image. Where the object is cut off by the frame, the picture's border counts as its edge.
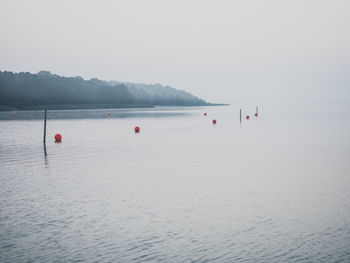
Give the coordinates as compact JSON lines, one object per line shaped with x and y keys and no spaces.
{"x":240,"y":115}
{"x":257,"y":110}
{"x":44,"y":140}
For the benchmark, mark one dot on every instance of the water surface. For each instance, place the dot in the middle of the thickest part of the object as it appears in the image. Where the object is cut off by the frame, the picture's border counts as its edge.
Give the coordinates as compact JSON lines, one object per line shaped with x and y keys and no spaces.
{"x":272,"y":189}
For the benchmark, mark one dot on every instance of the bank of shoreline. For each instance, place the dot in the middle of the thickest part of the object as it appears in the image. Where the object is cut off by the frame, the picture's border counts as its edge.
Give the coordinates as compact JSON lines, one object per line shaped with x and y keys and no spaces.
{"x":4,"y":108}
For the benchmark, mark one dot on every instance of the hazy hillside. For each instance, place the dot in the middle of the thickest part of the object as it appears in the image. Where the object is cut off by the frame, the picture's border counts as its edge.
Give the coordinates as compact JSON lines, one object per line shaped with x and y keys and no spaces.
{"x":34,"y":91}
{"x":156,"y":94}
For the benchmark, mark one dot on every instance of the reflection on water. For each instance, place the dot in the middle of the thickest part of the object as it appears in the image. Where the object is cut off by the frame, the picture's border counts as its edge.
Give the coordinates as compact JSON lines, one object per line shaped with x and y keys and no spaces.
{"x":95,"y":114}
{"x":183,"y":190}
{"x":45,"y":155}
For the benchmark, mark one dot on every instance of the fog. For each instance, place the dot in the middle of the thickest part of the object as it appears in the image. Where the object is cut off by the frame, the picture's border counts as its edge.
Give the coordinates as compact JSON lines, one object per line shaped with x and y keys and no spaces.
{"x":222,"y":51}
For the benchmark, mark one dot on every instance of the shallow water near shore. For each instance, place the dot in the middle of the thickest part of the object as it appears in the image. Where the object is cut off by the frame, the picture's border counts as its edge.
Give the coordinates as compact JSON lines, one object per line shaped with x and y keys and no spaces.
{"x":271,"y":189}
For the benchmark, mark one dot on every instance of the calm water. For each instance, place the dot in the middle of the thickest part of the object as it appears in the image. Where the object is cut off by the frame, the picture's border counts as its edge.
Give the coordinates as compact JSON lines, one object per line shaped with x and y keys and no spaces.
{"x":276,"y":189}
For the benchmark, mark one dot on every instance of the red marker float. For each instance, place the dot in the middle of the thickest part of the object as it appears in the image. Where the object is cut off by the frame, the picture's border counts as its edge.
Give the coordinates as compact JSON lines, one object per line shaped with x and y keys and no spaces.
{"x":109,"y":115}
{"x":52,"y":115}
{"x":205,"y":114}
{"x":247,"y":117}
{"x":256,"y":114}
{"x":214,"y":121}
{"x":137,"y":129}
{"x":58,"y":137}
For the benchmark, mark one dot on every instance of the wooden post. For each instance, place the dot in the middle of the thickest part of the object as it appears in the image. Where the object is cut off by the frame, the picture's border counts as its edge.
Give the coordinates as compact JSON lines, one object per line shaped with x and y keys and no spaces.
{"x":240,"y":115}
{"x":44,"y":140}
{"x":257,"y":111}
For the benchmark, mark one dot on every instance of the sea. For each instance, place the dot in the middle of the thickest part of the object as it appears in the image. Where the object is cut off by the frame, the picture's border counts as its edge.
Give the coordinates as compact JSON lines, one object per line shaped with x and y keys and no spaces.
{"x":274,"y":188}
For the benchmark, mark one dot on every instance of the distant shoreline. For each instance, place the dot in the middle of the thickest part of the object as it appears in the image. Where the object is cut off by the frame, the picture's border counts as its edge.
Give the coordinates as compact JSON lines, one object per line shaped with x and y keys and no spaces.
{"x":95,"y":106}
{"x":26,"y":91}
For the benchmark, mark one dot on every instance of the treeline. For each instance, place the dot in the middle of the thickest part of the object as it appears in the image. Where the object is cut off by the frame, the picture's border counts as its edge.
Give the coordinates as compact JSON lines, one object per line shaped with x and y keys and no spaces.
{"x":27,"y":91}
{"x":156,"y":94}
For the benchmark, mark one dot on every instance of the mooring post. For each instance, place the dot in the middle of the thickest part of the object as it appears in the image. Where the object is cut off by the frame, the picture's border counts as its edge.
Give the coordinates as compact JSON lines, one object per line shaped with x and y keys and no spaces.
{"x":257,"y":110}
{"x":240,"y":115}
{"x":44,"y":140}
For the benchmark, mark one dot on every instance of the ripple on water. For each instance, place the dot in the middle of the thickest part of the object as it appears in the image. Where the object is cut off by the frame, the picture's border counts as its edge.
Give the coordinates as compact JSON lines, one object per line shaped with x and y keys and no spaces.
{"x":180,"y":191}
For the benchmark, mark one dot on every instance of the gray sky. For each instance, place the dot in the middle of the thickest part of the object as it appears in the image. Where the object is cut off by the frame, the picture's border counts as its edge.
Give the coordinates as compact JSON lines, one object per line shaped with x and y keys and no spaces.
{"x":222,"y":51}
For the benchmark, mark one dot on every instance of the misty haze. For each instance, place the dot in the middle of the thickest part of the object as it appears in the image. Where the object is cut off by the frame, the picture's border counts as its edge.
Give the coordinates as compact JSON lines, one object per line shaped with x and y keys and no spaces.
{"x":174,"y":131}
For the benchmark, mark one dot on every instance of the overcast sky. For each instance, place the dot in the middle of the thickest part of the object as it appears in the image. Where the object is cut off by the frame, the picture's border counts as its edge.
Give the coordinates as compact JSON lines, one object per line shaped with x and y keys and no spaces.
{"x":222,"y":51}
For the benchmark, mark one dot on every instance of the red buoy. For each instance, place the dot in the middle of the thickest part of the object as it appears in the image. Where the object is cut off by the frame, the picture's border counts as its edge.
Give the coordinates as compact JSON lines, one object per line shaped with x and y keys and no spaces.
{"x":205,"y":114}
{"x":214,"y":121}
{"x":256,"y":114}
{"x":58,"y":137}
{"x":52,"y":115}
{"x":247,"y":117}
{"x":109,"y":115}
{"x":137,"y":129}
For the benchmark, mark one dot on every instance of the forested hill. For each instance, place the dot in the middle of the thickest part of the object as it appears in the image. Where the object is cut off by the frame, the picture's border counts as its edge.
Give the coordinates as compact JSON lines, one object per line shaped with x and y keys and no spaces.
{"x":45,"y":90}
